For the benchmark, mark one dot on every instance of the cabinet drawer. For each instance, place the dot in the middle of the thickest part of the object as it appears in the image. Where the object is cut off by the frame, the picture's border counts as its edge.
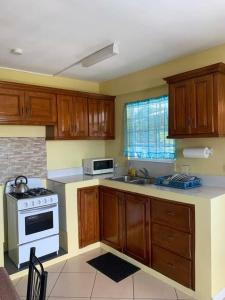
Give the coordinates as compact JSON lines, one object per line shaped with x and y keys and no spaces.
{"x":173,"y":240}
{"x":172,"y":265}
{"x":174,"y":215}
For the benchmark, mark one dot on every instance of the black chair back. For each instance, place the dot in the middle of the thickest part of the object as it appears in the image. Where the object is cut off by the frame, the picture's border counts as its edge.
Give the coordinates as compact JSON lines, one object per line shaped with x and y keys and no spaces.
{"x":37,"y":278}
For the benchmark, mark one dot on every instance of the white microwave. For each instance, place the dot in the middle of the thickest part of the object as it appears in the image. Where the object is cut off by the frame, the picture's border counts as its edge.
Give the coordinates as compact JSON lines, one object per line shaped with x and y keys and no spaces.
{"x":95,"y":166}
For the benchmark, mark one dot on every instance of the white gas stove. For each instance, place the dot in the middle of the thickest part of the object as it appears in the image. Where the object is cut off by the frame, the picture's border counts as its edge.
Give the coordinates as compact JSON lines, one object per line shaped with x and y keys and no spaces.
{"x":32,"y":221}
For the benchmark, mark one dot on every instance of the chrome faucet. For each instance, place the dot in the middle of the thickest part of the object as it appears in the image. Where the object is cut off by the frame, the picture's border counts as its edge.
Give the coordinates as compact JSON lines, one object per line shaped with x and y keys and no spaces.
{"x":144,"y":173}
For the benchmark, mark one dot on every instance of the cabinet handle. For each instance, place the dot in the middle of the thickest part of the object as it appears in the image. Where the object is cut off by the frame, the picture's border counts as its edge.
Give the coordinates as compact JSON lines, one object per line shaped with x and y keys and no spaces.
{"x":22,"y":110}
{"x":170,"y":265}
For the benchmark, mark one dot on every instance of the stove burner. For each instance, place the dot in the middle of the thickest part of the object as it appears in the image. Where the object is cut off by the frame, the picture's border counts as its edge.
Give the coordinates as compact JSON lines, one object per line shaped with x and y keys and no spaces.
{"x":32,"y":193}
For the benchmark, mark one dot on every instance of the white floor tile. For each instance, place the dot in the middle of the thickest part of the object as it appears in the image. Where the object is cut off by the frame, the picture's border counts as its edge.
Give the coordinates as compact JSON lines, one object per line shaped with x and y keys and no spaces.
{"x":74,"y":285}
{"x":21,"y":287}
{"x":56,"y":268}
{"x":147,"y":286}
{"x":182,"y":296}
{"x":107,"y":288}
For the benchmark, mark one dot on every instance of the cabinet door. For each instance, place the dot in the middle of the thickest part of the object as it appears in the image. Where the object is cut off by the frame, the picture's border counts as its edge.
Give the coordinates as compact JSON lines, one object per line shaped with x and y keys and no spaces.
{"x":107,"y":118}
{"x":179,"y":118}
{"x":136,"y":231}
{"x":94,"y":117}
{"x":201,"y":105}
{"x":80,"y":117}
{"x":11,"y":105}
{"x":41,"y":108}
{"x":64,"y":106}
{"x":111,"y":204}
{"x":88,"y":216}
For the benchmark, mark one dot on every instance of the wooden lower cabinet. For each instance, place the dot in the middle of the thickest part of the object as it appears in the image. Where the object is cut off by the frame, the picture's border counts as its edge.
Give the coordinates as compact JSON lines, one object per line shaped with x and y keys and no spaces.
{"x":156,"y":232}
{"x":136,"y":227}
{"x":111,"y":210}
{"x":88,"y":216}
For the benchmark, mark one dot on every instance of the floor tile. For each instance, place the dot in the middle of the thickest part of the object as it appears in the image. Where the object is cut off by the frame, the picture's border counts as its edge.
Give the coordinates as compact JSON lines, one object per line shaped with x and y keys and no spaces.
{"x":21,"y":287}
{"x":147,"y":286}
{"x":107,"y":288}
{"x":16,"y":281}
{"x":79,"y":263}
{"x":74,"y":285}
{"x":63,"y":298}
{"x":182,"y":296}
{"x":56,"y":268}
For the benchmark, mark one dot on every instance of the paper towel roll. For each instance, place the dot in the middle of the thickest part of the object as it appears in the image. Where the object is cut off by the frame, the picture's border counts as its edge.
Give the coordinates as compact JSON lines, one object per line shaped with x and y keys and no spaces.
{"x":197,"y":152}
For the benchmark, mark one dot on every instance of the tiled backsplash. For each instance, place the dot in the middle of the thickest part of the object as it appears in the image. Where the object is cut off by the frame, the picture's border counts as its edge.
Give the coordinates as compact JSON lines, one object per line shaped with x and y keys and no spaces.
{"x":22,"y":156}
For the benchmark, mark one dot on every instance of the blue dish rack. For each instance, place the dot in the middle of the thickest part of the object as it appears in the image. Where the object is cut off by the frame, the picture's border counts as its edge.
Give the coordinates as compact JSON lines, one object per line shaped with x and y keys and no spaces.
{"x":162,"y":181}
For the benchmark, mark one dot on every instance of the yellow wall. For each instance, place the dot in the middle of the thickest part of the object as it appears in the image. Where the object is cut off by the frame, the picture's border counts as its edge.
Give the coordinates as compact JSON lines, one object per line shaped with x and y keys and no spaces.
{"x":60,"y":154}
{"x":149,"y":83}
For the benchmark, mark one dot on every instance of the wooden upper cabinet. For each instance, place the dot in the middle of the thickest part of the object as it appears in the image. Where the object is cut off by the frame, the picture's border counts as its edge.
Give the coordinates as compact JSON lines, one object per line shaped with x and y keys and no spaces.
{"x":11,"y":105}
{"x":136,"y":227}
{"x":101,"y":118}
{"x":88,"y":216}
{"x":40,"y":107}
{"x":179,"y":108}
{"x":196,"y":102}
{"x":201,"y":105}
{"x":80,"y":116}
{"x":64,"y":107}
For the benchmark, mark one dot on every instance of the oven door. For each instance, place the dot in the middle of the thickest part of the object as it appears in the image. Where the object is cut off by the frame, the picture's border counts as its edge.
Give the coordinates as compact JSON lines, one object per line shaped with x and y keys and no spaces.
{"x":37,"y":223}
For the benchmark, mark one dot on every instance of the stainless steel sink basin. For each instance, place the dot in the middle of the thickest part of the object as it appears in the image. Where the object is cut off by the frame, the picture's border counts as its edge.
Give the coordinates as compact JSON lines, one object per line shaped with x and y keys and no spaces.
{"x":132,"y":179}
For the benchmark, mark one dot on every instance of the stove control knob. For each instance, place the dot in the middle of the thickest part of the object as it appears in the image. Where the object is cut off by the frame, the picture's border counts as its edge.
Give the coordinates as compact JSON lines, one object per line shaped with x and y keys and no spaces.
{"x":45,"y":200}
{"x":51,"y":199}
{"x":39,"y":202}
{"x":33,"y":203}
{"x":25,"y":204}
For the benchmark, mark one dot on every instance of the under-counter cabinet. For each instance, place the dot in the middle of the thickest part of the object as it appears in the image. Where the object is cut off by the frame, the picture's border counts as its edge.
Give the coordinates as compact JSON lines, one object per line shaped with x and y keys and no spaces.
{"x":196,"y":102}
{"x":173,"y":240}
{"x":136,"y":227}
{"x":88,"y":215}
{"x":111,"y":217}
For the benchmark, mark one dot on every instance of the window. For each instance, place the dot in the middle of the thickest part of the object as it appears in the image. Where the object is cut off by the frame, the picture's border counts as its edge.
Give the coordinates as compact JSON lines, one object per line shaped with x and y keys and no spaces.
{"x":146,"y":130}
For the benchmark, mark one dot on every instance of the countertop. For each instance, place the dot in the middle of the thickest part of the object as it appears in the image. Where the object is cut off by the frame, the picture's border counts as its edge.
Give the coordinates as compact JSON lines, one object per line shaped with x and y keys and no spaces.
{"x":206,"y":192}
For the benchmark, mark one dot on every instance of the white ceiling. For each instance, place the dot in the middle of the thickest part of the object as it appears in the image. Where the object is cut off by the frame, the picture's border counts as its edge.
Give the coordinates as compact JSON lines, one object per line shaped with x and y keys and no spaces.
{"x":55,"y":33}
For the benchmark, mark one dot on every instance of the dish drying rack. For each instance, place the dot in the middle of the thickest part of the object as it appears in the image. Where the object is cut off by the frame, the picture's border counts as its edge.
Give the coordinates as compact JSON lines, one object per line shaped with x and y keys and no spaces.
{"x":179,"y":181}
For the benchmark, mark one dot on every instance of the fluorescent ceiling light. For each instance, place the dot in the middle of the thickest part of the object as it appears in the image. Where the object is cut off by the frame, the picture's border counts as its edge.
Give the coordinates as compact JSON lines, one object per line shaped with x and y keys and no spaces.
{"x":100,"y":55}
{"x":95,"y":57}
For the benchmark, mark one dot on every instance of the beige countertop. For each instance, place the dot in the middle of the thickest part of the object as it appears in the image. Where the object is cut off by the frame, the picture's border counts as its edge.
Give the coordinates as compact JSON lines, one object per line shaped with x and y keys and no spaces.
{"x":203,"y":192}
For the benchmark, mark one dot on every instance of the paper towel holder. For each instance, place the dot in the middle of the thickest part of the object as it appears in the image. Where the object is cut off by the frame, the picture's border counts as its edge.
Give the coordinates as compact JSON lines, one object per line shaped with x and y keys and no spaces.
{"x":198,"y":152}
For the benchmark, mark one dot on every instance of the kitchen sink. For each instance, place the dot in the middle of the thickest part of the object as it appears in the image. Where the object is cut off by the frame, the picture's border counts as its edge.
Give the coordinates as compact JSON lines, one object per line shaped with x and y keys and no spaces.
{"x":132,"y":179}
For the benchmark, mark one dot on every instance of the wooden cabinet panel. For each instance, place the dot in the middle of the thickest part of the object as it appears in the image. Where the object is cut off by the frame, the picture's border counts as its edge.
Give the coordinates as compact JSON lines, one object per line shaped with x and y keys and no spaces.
{"x":196,"y":102}
{"x":41,"y":107}
{"x":176,"y":241}
{"x":201,"y":105}
{"x":64,"y":105}
{"x":136,"y":231}
{"x":107,"y":118}
{"x":111,"y":208}
{"x":80,"y":117}
{"x":173,"y":266}
{"x":94,"y":117}
{"x":179,"y":122}
{"x":88,"y":216}
{"x":11,"y":105}
{"x":175,"y":215}
{"x":101,"y":118}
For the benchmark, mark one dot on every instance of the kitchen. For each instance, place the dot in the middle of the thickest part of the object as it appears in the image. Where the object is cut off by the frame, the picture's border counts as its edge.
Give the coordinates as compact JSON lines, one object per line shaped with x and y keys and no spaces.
{"x":43,"y":145}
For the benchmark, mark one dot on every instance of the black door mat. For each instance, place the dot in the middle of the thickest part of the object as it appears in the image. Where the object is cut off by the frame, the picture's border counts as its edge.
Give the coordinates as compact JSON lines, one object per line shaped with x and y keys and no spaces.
{"x":112,"y":266}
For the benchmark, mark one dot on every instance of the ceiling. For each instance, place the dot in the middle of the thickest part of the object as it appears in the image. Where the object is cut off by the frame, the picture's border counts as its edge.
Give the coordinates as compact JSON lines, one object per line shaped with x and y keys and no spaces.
{"x":56,"y":33}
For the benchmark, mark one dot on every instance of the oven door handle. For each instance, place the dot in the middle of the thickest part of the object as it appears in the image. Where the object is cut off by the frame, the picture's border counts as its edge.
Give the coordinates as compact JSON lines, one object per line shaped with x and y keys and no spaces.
{"x":43,"y":208}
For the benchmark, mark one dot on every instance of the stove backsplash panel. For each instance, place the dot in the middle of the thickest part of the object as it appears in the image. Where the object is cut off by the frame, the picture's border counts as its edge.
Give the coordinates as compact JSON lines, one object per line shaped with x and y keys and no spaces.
{"x":22,"y":156}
